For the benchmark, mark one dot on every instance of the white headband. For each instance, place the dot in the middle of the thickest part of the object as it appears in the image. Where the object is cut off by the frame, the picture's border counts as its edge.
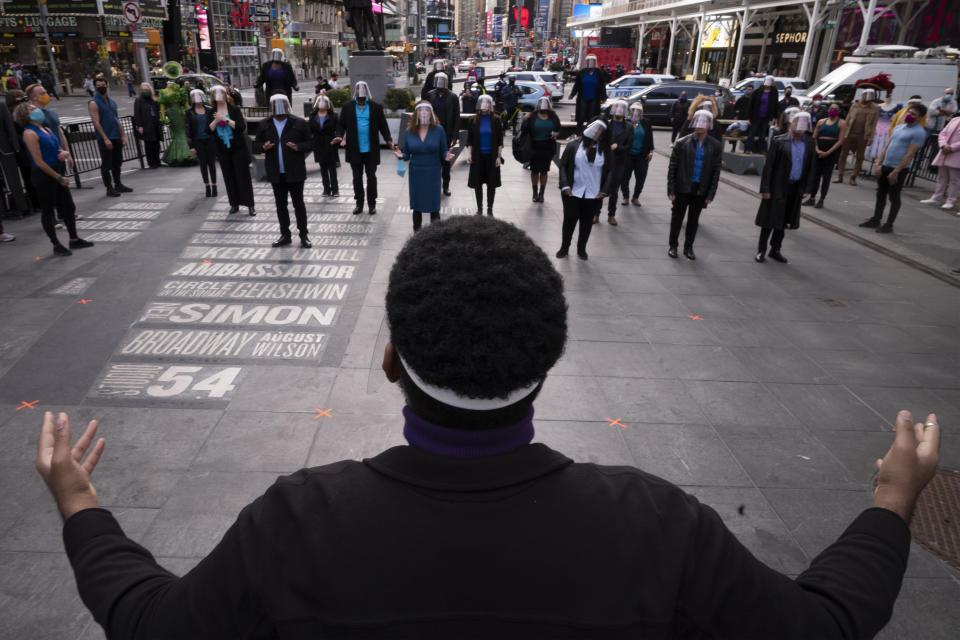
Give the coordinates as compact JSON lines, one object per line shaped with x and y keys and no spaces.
{"x":453,"y":399}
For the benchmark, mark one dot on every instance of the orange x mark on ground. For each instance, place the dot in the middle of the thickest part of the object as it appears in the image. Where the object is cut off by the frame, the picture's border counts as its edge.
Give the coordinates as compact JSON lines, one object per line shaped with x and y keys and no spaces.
{"x":37,"y":258}
{"x":84,"y":300}
{"x":206,"y":261}
{"x":616,"y":422}
{"x":24,"y":404}
{"x":322,"y":412}
{"x":694,"y":317}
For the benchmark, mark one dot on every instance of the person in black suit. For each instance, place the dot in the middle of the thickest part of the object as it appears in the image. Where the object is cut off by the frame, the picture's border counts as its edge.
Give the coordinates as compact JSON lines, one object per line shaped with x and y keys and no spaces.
{"x":363,"y":115}
{"x":203,"y":143}
{"x":323,"y":126}
{"x":285,"y":139}
{"x":146,"y":122}
{"x":229,"y":128}
{"x":446,"y":106}
{"x":10,"y":148}
{"x":277,"y":76}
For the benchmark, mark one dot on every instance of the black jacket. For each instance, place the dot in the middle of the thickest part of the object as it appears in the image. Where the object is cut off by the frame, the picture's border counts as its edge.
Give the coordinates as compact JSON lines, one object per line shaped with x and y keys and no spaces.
{"x":568,"y":167}
{"x":347,"y":124}
{"x":680,"y":171}
{"x":447,"y":110}
{"x":289,"y":79}
{"x":601,"y":93}
{"x":323,"y":151}
{"x":742,"y":107}
{"x":678,"y":110}
{"x":526,"y":544}
{"x":297,"y":131}
{"x":192,"y":123}
{"x":623,"y":141}
{"x":777,"y":212}
{"x":146,"y":114}
{"x":429,"y":82}
{"x":9,"y":139}
{"x":773,"y":104}
{"x":473,"y":136}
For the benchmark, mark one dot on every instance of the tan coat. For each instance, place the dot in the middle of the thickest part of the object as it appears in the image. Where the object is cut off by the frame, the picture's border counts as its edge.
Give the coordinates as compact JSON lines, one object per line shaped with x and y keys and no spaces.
{"x":862,"y":120}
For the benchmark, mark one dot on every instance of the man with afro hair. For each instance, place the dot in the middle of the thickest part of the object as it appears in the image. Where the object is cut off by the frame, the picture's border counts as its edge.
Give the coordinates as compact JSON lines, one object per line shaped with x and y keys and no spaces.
{"x":472,"y":530}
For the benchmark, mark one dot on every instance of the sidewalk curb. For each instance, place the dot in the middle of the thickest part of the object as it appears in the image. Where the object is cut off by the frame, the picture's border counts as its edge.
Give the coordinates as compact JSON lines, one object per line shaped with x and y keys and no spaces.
{"x":939,"y":271}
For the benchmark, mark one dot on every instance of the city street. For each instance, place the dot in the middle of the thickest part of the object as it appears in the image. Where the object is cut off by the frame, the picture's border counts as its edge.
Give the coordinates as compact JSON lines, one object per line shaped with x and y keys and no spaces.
{"x":216,"y":363}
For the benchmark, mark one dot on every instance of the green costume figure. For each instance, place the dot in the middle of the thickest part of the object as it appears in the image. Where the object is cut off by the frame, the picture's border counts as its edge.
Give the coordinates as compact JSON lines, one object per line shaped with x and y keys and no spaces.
{"x":173,"y":104}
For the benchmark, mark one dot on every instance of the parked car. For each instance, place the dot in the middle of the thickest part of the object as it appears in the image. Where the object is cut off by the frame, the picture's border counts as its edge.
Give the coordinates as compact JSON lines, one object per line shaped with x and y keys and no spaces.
{"x":625,"y":85}
{"x":466,"y":66}
{"x":548,"y":78}
{"x":657,"y":99}
{"x":532,"y":91}
{"x":190,"y":80}
{"x":799,"y":85}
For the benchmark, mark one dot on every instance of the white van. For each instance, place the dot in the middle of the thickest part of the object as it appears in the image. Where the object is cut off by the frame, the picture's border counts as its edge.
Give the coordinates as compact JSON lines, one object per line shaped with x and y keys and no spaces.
{"x":926,"y":77}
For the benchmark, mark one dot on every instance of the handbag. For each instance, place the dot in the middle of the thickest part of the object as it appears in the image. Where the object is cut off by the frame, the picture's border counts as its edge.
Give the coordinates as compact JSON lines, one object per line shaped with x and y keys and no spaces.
{"x":401,"y":167}
{"x":523,"y":147}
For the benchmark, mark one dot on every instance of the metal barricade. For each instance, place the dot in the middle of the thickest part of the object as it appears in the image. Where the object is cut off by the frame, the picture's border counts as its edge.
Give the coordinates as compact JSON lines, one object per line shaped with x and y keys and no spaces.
{"x":922,"y":166}
{"x":83,"y":146}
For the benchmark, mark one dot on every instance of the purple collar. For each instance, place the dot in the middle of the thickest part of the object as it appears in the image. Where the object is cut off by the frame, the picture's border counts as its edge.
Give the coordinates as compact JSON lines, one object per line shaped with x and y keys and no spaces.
{"x":466,"y":443}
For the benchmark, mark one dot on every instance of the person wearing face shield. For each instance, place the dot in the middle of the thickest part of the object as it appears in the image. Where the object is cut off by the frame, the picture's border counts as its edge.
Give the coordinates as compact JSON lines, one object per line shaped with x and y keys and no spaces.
{"x":323,"y":126}
{"x":764,"y":108}
{"x":146,"y":122}
{"x":861,"y":127}
{"x":110,"y":138}
{"x":828,"y":136}
{"x":229,"y":127}
{"x":543,"y":127}
{"x":587,"y":176}
{"x":692,"y":179}
{"x":590,"y":91}
{"x":430,"y":82}
{"x":484,"y":147}
{"x":425,"y":148}
{"x":359,"y":128}
{"x":285,"y":140}
{"x":783,"y":186}
{"x":621,"y":140}
{"x":203,"y":144}
{"x":640,"y":155}
{"x":277,"y":76}
{"x":472,"y":90}
{"x":446,"y":108}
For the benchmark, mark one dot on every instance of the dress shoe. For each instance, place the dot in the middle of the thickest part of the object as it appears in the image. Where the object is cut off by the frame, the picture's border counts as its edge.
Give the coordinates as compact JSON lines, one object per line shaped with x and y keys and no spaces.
{"x":930,"y":201}
{"x":113,"y":193}
{"x":689,"y":254}
{"x":636,"y":202}
{"x":282,"y":241}
{"x":234,"y":209}
{"x":122,"y":188}
{"x":872,"y":223}
{"x":213,"y":191}
{"x":819,"y":204}
{"x":808,"y":202}
{"x":759,"y":257}
{"x":80,"y":243}
{"x":776,"y":255}
{"x":446,"y":192}
{"x":335,"y":194}
{"x":887,"y":228}
{"x":611,"y":220}
{"x":672,"y":252}
{"x":479,"y":212}
{"x":326,"y":193}
{"x":305,"y":243}
{"x":207,"y":193}
{"x":60,"y":250}
{"x":358,"y":210}
{"x":373,"y":211}
{"x":251,"y":211}
{"x":562,"y":253}
{"x":582,"y":254}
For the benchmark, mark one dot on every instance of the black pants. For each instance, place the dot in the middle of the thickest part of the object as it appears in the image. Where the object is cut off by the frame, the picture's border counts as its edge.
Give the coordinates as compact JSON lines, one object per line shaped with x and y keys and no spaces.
{"x":152,"y":150}
{"x":418,"y":219}
{"x":328,"y":174}
{"x":445,"y":174}
{"x":578,"y":210}
{"x":295,"y":190}
{"x":619,"y":173}
{"x":586,"y":110}
{"x":110,"y":161}
{"x":758,"y":129}
{"x":14,"y":182}
{"x":368,"y":165}
{"x":207,"y":156}
{"x":675,"y":125}
{"x":884,"y":189}
{"x":54,"y":197}
{"x":821,"y":174}
{"x":235,"y":166}
{"x":491,"y":194}
{"x":637,"y":167}
{"x":689,"y":205}
{"x":776,"y":239}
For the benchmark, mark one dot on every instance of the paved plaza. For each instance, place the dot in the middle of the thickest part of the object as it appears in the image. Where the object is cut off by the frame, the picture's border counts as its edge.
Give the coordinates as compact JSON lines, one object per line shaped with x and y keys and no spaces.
{"x":216,"y":363}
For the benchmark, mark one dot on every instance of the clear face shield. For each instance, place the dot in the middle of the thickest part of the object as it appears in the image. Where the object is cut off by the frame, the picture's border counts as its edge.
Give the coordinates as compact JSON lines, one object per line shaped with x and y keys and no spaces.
{"x":196,"y":96}
{"x":594,"y":130}
{"x":768,"y":81}
{"x":801,"y":122}
{"x":361,"y":90}
{"x":219,"y":94}
{"x":618,"y":108}
{"x":543,"y":104}
{"x":425,"y":113}
{"x":279,"y":105}
{"x":441,"y":81}
{"x":869,"y":95}
{"x":276,"y":55}
{"x":703,"y":120}
{"x":485,"y":104}
{"x":636,"y":111}
{"x":590,"y":62}
{"x":322,"y":103}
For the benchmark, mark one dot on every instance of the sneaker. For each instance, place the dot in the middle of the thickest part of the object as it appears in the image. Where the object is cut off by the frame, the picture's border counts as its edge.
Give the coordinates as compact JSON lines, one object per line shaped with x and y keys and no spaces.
{"x":759,"y":257}
{"x":251,"y":211}
{"x":635,"y":202}
{"x":872,"y":223}
{"x":60,"y":250}
{"x":80,"y":243}
{"x":930,"y":201}
{"x":59,"y":225}
{"x":948,"y":205}
{"x":625,"y":201}
{"x":7,"y":237}
{"x":672,"y":252}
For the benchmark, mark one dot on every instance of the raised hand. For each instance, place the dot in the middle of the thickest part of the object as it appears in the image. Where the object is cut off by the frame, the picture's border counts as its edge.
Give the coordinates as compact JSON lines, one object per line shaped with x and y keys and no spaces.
{"x":63,"y":469}
{"x":909,"y":464}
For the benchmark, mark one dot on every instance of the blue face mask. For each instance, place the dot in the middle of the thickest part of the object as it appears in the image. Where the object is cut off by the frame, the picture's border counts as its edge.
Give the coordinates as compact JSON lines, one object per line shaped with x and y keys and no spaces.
{"x":37,"y":116}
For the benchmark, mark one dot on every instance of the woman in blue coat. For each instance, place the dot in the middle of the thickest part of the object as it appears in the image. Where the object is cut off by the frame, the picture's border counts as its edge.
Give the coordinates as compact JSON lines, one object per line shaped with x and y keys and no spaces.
{"x":425,"y":148}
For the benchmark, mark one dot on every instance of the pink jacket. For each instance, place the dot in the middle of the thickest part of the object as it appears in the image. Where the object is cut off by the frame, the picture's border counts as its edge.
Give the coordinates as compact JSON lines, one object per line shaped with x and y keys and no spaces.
{"x":950,"y":135}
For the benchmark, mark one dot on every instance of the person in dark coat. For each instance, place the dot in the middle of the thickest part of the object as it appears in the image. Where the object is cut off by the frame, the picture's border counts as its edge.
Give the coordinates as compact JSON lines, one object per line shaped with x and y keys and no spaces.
{"x":430,"y":82}
{"x":587,"y":176}
{"x":446,"y":108}
{"x":10,"y":152}
{"x":146,"y":122}
{"x":590,"y":90}
{"x":621,"y":140}
{"x":640,"y":154}
{"x":363,"y":23}
{"x":678,"y":115}
{"x":323,"y":125}
{"x":472,"y":90}
{"x":543,"y":127}
{"x":783,"y":185}
{"x":788,"y":100}
{"x":692,"y":179}
{"x":484,"y":148}
{"x":277,"y":76}
{"x":203,"y":142}
{"x":285,"y":140}
{"x":363,"y":151}
{"x":741,"y":107}
{"x":230,"y":129}
{"x":425,"y":148}
{"x":763,"y":108}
